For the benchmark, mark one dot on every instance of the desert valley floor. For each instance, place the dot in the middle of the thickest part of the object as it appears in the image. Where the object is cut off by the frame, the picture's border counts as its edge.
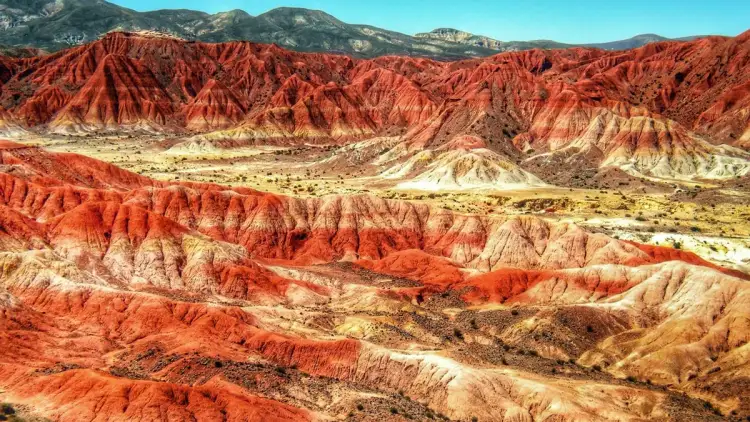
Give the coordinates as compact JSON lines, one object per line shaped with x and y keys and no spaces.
{"x":702,"y":217}
{"x":238,"y":232}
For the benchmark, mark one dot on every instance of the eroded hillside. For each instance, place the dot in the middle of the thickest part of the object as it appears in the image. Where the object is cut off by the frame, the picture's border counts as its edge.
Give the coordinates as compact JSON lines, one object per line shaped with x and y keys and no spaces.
{"x":125,"y":297}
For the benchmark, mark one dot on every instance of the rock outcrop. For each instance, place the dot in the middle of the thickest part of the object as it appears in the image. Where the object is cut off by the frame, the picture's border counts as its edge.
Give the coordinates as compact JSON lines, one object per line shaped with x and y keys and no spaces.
{"x":122,"y":296}
{"x":667,"y":109}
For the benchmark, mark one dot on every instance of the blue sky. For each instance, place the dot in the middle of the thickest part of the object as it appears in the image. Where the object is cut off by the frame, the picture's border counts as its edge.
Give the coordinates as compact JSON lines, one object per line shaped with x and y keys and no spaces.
{"x":572,"y":21}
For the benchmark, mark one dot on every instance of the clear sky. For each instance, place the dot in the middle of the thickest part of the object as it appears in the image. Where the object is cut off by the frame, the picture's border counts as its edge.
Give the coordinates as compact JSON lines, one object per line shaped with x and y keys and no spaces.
{"x":572,"y":21}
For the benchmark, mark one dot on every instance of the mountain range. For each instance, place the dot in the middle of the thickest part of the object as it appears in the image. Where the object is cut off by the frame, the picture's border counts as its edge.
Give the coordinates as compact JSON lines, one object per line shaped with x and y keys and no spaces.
{"x":237,"y":231}
{"x":57,"y":24}
{"x":666,"y":110}
{"x":128,"y":298}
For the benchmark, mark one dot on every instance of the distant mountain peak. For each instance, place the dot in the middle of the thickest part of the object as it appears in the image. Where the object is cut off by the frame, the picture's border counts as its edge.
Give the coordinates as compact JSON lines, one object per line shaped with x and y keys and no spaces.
{"x":632,"y":42}
{"x":295,"y":17}
{"x":649,"y":36}
{"x":235,"y":12}
{"x":448,"y":31}
{"x":55,"y":24}
{"x":461,"y":37}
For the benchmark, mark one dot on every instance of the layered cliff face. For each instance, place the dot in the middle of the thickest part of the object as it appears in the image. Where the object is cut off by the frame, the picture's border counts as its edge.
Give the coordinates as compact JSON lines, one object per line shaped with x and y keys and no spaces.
{"x":215,"y":106}
{"x":122,"y":297}
{"x":667,"y":110}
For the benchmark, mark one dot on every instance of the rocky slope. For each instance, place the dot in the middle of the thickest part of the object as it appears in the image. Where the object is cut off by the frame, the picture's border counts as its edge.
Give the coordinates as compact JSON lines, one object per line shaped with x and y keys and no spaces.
{"x":122,"y":297}
{"x":634,"y":42}
{"x":450,"y":36}
{"x":667,"y":110}
{"x":52,"y":25}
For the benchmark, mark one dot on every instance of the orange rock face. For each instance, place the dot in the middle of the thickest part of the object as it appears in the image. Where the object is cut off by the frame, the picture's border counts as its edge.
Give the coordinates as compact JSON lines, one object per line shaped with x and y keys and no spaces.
{"x":74,"y":395}
{"x":543,"y":99}
{"x":661,"y":110}
{"x":215,"y":106}
{"x":123,"y":297}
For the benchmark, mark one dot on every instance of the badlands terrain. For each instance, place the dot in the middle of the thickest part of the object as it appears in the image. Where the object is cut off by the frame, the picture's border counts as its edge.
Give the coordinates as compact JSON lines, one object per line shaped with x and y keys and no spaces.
{"x":240,"y":232}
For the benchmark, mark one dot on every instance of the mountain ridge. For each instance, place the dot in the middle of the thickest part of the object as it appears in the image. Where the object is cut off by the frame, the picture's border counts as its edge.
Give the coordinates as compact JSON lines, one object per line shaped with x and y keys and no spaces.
{"x":54,"y":25}
{"x":645,"y":111}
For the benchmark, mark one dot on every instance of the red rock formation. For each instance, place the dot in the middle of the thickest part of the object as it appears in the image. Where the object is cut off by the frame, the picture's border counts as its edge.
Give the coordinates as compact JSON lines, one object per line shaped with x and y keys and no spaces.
{"x":121,"y":91}
{"x":549,"y":98}
{"x":85,"y":394}
{"x":41,"y":108}
{"x":416,"y":265}
{"x":55,"y":169}
{"x":330,"y":228}
{"x":121,"y":297}
{"x":215,"y":107}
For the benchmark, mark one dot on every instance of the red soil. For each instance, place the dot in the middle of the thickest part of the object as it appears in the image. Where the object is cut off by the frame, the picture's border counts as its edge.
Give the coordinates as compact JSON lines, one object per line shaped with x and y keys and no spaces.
{"x":664,"y":254}
{"x":541,"y":96}
{"x":86,"y":394}
{"x":92,"y":276}
{"x":418,"y":266}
